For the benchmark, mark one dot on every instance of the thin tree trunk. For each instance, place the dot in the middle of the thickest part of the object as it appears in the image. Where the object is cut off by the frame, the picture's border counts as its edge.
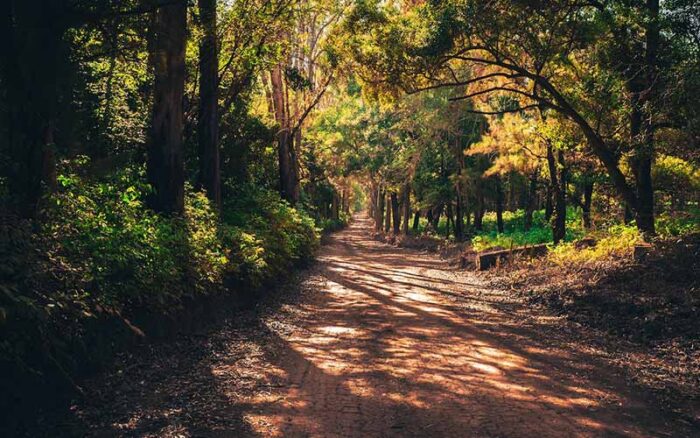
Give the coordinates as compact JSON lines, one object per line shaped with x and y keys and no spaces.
{"x":479,"y":212}
{"x":406,"y":208}
{"x":448,"y":213}
{"x":586,"y":207}
{"x":387,"y":222}
{"x":208,"y":123}
{"x":499,"y":205}
{"x":531,"y":193}
{"x":165,"y":166}
{"x":416,"y":221}
{"x":459,"y":220}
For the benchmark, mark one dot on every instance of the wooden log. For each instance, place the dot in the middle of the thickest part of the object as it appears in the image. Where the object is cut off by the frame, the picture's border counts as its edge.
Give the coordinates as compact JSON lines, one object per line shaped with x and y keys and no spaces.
{"x":586,"y":242}
{"x":488,"y":259}
{"x":641,"y":251}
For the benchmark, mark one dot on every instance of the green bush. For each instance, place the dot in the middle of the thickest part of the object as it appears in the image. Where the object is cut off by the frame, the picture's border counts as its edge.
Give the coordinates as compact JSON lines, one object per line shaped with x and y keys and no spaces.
{"x":513,"y":225}
{"x":103,"y":247}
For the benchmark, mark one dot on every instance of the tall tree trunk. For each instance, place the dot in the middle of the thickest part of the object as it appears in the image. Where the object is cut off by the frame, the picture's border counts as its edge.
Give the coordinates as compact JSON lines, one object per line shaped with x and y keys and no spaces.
{"x":379,"y":218}
{"x":406,"y":208}
{"x":33,"y":66}
{"x":499,"y":204}
{"x":416,"y":221}
{"x":396,"y":217}
{"x":459,"y":213}
{"x":557,"y":174}
{"x":436,"y":216}
{"x":165,"y":166}
{"x":479,"y":212}
{"x":586,"y":206}
{"x":548,"y":204}
{"x":387,"y":222}
{"x":285,"y":141}
{"x":208,"y":123}
{"x":448,"y":213}
{"x":641,"y":124}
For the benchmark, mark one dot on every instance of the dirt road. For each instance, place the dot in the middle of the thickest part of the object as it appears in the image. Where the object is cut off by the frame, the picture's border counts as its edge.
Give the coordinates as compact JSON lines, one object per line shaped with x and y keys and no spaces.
{"x":376,"y":341}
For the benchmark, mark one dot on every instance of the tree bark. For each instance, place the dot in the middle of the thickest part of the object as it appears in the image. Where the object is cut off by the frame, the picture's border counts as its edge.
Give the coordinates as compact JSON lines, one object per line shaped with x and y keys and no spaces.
{"x":586,"y":206}
{"x":379,"y":218}
{"x":165,"y":166}
{"x":396,"y":217}
{"x":285,"y":141}
{"x":406,"y":208}
{"x":459,"y":216}
{"x":387,"y":222}
{"x":33,"y":66}
{"x":416,"y":221}
{"x":548,"y":204}
{"x":479,"y":212}
{"x":557,"y":174}
{"x":641,"y":124}
{"x":208,"y":123}
{"x":436,"y":216}
{"x":448,"y":214}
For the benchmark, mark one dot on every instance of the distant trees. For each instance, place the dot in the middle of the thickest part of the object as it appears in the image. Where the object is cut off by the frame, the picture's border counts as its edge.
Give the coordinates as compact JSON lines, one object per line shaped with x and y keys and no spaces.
{"x":599,"y":65}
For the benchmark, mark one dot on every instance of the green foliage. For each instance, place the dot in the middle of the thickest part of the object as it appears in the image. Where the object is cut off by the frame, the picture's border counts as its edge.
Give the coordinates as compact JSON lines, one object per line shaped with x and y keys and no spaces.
{"x":119,"y":253}
{"x":617,"y":241}
{"x":678,"y":223}
{"x":105,"y":248}
{"x":513,"y":226}
{"x":267,"y":235}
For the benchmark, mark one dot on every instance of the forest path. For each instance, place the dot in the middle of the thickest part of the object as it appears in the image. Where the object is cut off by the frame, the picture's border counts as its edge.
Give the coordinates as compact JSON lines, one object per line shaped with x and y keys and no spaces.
{"x":378,"y":341}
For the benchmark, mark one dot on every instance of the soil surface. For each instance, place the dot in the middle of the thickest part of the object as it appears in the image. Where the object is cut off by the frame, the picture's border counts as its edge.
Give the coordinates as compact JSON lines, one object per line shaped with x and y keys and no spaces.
{"x":372,"y":341}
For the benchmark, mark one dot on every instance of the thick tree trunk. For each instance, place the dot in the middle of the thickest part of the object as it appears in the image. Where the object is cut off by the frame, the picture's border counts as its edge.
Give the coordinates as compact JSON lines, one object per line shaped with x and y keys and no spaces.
{"x":557,"y":174}
{"x":379,"y":218}
{"x":165,"y":166}
{"x":285,"y":146}
{"x":499,"y":205}
{"x":396,"y":217}
{"x":208,"y":123}
{"x":548,"y":204}
{"x":33,"y":65}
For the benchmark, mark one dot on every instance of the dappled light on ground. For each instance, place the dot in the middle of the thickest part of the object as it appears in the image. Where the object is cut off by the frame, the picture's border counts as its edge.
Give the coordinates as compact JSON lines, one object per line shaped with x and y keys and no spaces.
{"x":375,"y":341}
{"x":393,"y":342}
